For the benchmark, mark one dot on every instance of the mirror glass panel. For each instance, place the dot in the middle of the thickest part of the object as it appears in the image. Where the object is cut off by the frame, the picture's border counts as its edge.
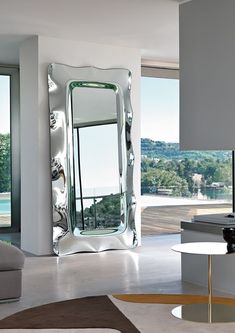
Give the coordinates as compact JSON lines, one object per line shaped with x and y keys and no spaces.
{"x":96,"y":160}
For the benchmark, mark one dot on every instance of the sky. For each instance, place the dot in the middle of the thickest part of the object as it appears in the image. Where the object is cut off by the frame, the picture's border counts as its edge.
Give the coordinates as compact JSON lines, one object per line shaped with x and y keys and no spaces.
{"x":4,"y":104}
{"x":160,"y":109}
{"x":98,"y":153}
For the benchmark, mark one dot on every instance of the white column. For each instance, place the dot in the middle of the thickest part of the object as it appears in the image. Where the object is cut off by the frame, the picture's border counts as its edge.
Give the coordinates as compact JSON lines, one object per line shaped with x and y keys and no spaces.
{"x":35,"y":199}
{"x":35,"y":55}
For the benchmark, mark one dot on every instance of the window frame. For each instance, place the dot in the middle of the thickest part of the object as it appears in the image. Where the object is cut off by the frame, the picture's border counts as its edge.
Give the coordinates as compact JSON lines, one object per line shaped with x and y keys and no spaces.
{"x":160,"y":72}
{"x":13,"y":73}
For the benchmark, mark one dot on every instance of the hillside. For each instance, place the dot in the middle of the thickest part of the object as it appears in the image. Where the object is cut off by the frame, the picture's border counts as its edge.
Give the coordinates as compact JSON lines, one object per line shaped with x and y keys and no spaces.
{"x":169,"y":150}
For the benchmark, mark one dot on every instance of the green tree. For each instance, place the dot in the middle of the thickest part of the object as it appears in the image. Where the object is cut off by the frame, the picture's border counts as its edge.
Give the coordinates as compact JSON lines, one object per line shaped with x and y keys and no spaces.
{"x":155,"y":178}
{"x":223,"y":174}
{"x":5,"y":163}
{"x":171,"y":162}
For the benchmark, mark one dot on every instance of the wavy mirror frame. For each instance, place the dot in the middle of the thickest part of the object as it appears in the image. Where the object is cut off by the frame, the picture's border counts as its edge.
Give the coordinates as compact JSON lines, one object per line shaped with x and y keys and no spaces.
{"x":61,"y":81}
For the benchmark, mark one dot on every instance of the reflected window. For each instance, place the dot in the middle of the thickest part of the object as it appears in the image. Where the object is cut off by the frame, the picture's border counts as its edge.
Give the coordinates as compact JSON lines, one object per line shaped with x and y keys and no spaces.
{"x":98,"y":206}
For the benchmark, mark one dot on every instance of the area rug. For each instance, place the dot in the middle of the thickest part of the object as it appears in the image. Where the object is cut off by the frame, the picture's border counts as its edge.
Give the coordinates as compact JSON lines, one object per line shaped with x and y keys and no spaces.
{"x":88,"y":312}
{"x":133,"y":313}
{"x":62,"y":330}
{"x":173,"y":299}
{"x":157,"y":318}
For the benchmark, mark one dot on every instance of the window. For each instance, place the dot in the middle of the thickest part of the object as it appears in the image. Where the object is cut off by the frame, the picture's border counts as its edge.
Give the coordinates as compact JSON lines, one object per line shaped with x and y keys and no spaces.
{"x":197,"y":182}
{"x":9,"y":150}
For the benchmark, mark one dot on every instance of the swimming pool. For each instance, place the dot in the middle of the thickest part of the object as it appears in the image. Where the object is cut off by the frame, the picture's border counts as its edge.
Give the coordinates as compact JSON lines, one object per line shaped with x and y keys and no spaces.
{"x":5,"y":207}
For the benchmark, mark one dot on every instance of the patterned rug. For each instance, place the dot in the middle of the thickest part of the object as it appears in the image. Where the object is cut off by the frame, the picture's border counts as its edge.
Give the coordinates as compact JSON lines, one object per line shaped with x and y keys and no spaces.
{"x":88,"y":312}
{"x":132,"y":313}
{"x":173,"y":299}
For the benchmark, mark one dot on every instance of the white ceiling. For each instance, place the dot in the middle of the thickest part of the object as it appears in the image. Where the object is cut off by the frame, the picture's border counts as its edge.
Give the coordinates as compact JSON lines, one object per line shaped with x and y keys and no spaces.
{"x":150,"y":25}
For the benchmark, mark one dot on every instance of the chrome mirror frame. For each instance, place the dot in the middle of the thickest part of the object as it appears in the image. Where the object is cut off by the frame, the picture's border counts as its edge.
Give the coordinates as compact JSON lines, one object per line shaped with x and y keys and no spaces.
{"x":61,"y":81}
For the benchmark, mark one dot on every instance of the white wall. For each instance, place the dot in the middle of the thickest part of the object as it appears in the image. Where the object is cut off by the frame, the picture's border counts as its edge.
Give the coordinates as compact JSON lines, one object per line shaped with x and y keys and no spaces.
{"x":207,"y":73}
{"x":32,"y":209}
{"x":35,"y":55}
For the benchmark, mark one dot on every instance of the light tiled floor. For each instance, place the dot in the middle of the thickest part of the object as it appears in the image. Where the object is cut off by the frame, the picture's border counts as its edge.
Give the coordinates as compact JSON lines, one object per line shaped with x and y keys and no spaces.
{"x":151,"y":268}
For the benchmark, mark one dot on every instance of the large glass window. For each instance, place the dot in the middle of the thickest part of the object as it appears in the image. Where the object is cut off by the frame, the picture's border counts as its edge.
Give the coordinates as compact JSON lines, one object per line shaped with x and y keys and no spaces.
{"x":9,"y":150}
{"x":5,"y":152}
{"x":175,"y":184}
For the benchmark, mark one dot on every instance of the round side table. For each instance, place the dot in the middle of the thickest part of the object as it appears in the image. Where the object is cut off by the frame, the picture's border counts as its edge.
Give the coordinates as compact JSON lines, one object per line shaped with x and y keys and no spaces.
{"x":209,"y":312}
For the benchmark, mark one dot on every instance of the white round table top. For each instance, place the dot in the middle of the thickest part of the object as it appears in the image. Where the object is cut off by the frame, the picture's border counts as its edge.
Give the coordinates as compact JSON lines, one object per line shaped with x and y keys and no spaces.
{"x":207,"y":248}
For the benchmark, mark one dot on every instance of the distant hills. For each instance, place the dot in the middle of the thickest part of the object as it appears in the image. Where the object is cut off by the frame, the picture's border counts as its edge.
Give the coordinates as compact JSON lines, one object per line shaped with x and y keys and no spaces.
{"x":170,"y":150}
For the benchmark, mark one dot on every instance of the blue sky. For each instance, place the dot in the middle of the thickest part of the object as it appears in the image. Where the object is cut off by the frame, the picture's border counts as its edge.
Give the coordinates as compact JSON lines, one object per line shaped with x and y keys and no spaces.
{"x":160,"y":109}
{"x":4,"y":104}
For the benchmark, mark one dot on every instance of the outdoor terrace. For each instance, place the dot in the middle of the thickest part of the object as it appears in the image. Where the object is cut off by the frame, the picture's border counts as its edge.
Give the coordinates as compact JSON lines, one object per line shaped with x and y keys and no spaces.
{"x":162,"y":215}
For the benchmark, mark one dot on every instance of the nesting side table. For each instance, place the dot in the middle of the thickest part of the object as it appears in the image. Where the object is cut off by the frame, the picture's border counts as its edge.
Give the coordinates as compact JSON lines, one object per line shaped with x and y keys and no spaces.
{"x":209,"y":312}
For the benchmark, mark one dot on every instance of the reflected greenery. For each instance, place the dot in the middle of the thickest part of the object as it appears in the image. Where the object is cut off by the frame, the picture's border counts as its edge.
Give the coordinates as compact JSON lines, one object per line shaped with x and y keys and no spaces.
{"x":103,"y":213}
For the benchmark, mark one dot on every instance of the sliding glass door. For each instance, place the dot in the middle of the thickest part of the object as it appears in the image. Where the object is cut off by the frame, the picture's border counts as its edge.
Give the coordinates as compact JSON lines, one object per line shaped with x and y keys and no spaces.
{"x":9,"y":150}
{"x":5,"y":152}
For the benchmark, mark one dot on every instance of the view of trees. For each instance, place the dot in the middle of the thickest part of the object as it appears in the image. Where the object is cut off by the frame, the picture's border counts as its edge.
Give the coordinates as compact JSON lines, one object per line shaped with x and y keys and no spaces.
{"x":163,"y":165}
{"x":102,"y":214}
{"x":5,"y":160}
{"x":109,"y":207}
{"x":170,"y":150}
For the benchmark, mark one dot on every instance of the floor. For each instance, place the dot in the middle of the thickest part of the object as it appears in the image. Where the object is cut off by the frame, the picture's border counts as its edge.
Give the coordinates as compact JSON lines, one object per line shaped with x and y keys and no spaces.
{"x":166,"y":219}
{"x":151,"y":268}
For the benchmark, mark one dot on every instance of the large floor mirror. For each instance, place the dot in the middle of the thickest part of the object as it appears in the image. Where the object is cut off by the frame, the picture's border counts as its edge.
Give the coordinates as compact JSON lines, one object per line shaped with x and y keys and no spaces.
{"x":91,"y":159}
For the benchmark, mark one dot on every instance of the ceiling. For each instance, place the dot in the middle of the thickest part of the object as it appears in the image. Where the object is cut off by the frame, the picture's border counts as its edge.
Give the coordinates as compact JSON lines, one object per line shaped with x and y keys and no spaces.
{"x":149,"y":25}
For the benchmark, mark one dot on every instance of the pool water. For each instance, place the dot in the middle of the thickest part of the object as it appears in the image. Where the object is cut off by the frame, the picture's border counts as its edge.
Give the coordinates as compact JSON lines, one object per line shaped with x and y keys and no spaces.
{"x":5,"y":207}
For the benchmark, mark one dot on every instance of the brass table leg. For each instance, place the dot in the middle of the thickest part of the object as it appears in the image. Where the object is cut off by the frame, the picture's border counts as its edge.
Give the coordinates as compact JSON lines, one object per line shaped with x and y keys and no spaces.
{"x":209,"y":288}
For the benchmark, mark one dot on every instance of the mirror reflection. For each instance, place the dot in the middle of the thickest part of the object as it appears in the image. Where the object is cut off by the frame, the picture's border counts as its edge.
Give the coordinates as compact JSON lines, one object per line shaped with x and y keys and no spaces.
{"x":97,"y":166}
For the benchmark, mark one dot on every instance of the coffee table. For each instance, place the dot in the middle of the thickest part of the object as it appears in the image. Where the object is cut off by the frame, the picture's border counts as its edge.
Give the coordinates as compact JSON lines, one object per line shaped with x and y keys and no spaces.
{"x":209,"y":312}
